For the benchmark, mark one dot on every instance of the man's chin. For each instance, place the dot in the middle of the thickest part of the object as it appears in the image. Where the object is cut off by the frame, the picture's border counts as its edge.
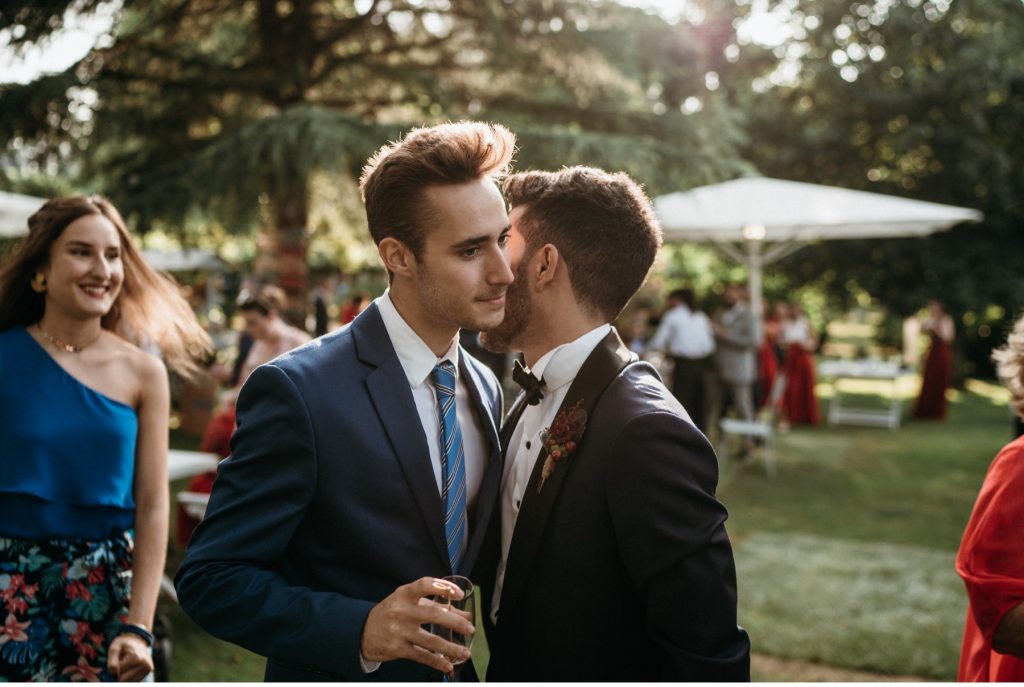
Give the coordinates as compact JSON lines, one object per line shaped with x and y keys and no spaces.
{"x":496,"y":341}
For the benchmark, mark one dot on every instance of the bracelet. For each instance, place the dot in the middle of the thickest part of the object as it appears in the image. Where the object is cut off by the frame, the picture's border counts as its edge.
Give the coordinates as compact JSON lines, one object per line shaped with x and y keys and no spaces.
{"x":138,"y":631}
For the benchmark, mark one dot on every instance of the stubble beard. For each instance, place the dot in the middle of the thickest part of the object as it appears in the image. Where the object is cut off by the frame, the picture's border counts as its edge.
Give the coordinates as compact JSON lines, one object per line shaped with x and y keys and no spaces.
{"x":518,"y":308}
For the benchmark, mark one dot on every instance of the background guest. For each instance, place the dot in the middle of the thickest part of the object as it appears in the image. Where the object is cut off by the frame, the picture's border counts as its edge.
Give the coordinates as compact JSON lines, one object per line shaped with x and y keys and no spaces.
{"x":737,"y":338}
{"x":685,"y":334}
{"x":355,"y":305}
{"x":83,"y":471}
{"x":768,"y":360}
{"x":799,"y":404}
{"x":321,"y":306}
{"x":271,"y":335}
{"x":937,"y":374}
{"x":216,"y":439}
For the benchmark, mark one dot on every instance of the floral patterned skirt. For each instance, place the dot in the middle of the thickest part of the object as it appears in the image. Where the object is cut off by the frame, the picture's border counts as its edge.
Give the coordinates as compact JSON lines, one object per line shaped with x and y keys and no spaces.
{"x":62,"y":603}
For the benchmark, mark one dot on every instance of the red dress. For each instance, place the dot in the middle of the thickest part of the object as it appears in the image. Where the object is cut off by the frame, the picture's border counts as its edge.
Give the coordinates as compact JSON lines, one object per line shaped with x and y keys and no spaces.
{"x":767,"y":364}
{"x":991,"y":562}
{"x":216,"y":439}
{"x":936,"y":378}
{"x":799,"y":405}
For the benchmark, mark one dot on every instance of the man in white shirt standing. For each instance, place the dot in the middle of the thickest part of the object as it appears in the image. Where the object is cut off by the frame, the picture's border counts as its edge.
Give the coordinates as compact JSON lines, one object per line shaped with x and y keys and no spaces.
{"x":609,"y":560}
{"x":685,"y":334}
{"x":366,"y":463}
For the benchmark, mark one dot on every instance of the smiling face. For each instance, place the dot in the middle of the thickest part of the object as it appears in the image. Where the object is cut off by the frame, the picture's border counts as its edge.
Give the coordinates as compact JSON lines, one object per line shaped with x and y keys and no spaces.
{"x":85,"y":271}
{"x":461,"y":273}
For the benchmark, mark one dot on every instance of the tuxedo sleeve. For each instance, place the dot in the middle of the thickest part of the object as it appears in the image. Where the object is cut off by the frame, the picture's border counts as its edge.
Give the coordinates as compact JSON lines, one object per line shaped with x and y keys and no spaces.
{"x":231,"y":580}
{"x":671,"y":533}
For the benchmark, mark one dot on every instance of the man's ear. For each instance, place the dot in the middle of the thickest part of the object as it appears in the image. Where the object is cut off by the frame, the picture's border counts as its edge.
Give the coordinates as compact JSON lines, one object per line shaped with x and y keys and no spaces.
{"x":396,"y":256}
{"x":547,"y":263}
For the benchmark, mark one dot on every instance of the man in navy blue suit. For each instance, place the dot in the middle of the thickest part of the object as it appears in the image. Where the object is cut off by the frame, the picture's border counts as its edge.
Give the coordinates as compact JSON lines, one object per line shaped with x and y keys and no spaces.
{"x":366,"y":463}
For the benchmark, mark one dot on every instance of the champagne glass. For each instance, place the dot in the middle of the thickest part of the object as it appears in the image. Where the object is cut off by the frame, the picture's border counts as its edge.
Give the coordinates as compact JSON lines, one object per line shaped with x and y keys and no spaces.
{"x":466,"y":606}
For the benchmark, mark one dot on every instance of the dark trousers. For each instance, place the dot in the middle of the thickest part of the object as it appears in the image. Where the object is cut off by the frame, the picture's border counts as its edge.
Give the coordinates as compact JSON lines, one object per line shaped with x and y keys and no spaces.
{"x":689,"y":387}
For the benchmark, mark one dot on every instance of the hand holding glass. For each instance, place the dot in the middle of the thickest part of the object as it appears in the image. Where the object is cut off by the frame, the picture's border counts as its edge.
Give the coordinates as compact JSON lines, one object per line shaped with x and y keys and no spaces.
{"x":466,"y":607}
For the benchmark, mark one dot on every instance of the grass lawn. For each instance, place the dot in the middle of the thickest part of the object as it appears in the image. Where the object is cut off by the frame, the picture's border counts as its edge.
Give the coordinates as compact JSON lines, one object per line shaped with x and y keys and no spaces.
{"x":845,"y":559}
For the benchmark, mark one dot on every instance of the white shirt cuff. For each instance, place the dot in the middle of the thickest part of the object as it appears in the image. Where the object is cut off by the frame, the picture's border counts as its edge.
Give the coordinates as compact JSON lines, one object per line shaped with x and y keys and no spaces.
{"x":368,"y":666}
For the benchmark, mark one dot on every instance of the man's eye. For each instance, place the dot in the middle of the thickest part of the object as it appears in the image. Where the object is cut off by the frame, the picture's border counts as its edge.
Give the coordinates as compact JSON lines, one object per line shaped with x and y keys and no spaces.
{"x":503,"y":239}
{"x":471,"y":252}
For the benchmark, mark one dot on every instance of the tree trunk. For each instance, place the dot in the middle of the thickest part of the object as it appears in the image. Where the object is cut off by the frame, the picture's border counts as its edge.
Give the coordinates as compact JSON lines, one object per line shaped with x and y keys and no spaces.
{"x":282,"y":251}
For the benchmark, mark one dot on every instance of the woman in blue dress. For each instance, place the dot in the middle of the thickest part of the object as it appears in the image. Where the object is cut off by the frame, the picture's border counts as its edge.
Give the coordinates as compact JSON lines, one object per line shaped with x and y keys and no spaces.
{"x":83,"y":444}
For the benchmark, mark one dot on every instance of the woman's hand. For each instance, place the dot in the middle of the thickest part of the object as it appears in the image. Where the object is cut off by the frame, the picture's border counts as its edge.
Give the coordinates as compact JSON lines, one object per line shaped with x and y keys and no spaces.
{"x":128,"y":658}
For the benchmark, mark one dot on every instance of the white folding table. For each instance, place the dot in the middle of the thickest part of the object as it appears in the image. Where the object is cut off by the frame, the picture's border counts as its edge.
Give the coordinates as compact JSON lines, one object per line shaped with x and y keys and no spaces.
{"x":841,"y":413}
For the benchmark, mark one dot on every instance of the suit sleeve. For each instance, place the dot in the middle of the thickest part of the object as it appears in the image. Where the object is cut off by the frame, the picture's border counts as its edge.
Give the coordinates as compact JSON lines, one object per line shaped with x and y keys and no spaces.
{"x":671,"y":533}
{"x":231,"y":582}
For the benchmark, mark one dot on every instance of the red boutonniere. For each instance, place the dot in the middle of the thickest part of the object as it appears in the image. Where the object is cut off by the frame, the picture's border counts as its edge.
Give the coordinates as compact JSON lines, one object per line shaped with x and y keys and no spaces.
{"x":561,"y":438}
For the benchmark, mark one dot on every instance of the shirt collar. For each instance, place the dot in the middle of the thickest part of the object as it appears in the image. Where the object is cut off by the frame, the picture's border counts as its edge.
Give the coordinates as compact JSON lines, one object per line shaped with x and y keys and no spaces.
{"x":560,"y":365}
{"x":418,"y":361}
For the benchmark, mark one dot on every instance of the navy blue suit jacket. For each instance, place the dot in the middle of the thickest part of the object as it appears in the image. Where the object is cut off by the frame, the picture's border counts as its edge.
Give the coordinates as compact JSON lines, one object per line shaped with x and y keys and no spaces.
{"x":326,"y":505}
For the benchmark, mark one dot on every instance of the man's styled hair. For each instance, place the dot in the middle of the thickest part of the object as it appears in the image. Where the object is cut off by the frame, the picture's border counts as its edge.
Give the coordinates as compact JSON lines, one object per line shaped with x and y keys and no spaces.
{"x":602,"y":225}
{"x":395,"y":177}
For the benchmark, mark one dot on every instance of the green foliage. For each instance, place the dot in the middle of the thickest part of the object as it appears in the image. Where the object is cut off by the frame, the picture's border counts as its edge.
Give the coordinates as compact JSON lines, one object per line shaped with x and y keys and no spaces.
{"x":36,"y":19}
{"x":232,"y":109}
{"x":915,"y":100}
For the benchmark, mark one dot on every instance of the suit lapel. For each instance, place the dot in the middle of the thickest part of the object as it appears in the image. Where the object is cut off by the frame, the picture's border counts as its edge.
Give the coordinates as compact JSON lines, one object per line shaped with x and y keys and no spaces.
{"x":597,"y":372}
{"x":488,"y":494}
{"x":389,"y":391}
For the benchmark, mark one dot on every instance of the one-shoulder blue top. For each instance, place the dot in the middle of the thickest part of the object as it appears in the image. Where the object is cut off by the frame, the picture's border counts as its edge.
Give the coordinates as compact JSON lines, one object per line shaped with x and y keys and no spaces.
{"x":67,"y":452}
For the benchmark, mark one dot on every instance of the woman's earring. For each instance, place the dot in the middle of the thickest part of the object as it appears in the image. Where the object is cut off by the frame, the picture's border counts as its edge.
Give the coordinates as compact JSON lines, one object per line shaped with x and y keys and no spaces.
{"x":38,"y":282}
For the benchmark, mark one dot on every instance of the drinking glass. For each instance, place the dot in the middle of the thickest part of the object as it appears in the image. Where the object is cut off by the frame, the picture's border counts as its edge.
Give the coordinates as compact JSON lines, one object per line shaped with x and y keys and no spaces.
{"x":466,"y":606}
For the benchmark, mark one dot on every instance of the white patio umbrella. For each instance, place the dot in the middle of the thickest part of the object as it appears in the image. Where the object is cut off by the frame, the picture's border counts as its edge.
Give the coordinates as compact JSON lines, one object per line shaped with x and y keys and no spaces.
{"x":772,"y":218}
{"x":15,"y":209}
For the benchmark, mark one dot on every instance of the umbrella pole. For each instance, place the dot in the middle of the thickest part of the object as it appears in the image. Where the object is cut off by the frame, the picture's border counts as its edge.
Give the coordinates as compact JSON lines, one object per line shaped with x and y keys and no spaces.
{"x":755,"y":263}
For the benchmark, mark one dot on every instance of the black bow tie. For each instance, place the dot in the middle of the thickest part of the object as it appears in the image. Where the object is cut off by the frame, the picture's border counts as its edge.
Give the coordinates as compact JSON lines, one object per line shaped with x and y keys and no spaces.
{"x":533,"y":387}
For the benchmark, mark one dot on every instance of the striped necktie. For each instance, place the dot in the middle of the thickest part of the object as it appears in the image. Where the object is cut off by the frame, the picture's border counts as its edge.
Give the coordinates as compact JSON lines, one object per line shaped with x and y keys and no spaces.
{"x":453,"y":463}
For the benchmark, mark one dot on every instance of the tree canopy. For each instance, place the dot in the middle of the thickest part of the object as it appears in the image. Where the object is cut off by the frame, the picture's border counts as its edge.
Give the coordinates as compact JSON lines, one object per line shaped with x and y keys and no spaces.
{"x":231,"y":108}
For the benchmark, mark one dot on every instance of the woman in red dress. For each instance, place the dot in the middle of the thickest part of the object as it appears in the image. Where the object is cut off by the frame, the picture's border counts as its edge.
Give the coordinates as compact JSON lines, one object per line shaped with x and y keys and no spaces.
{"x":991,"y":559}
{"x":799,"y":404}
{"x":938,"y":366}
{"x":767,"y":358}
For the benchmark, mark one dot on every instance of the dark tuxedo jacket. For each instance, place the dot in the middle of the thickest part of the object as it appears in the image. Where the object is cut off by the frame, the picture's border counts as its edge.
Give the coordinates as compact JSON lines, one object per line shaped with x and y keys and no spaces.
{"x":620,"y":568}
{"x":326,"y":505}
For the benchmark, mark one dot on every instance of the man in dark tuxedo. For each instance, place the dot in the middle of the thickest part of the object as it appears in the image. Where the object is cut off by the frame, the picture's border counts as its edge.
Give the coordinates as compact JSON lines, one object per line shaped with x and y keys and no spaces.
{"x":366,"y":463}
{"x":608,"y":557}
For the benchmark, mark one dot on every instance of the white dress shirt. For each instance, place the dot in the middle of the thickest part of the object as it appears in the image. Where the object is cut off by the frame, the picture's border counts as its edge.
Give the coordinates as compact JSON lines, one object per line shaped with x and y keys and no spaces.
{"x":558,"y":367}
{"x":684,"y":334}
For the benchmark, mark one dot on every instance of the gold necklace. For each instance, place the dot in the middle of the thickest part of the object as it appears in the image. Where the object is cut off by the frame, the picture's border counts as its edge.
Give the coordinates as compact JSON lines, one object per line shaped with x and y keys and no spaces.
{"x":66,"y":346}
